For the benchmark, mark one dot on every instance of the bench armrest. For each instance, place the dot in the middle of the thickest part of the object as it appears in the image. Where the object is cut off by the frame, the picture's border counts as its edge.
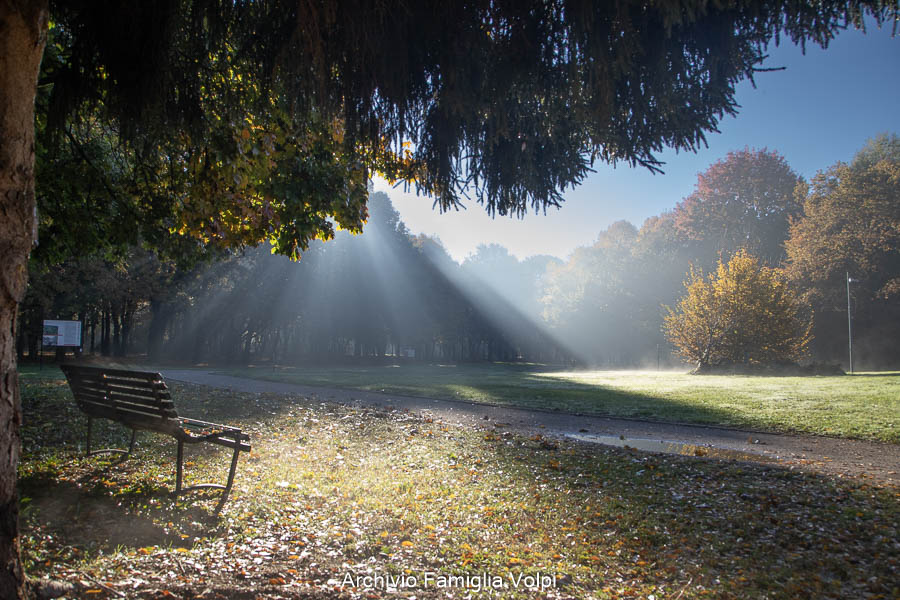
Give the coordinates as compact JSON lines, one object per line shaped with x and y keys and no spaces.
{"x":213,"y":432}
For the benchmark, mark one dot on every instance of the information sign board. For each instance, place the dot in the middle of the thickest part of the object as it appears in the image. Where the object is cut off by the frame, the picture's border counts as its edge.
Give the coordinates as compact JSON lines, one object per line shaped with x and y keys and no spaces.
{"x":62,"y":333}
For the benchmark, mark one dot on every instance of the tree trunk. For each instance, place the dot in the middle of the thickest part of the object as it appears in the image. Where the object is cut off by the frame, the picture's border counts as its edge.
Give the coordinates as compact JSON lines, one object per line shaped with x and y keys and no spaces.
{"x":34,"y":342}
{"x":21,"y":343}
{"x":105,"y":333}
{"x":116,"y":333}
{"x":159,"y":321}
{"x":127,"y":322}
{"x":93,"y":331}
{"x":23,"y":33}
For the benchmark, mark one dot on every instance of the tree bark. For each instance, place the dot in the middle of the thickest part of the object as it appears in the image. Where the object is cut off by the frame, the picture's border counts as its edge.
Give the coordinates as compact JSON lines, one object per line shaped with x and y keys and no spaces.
{"x":105,"y":333}
{"x":23,"y":34}
{"x":116,"y":333}
{"x":93,"y":331}
{"x":127,"y":322}
{"x":161,"y":314}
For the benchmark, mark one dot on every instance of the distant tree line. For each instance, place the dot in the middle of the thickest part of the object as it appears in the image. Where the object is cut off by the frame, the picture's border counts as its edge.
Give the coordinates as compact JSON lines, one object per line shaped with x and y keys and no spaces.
{"x":386,"y":294}
{"x":607,"y":298}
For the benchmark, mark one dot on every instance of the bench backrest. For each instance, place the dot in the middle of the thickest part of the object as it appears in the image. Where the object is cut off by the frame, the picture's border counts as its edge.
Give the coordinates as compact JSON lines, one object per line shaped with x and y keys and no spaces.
{"x":139,"y":399}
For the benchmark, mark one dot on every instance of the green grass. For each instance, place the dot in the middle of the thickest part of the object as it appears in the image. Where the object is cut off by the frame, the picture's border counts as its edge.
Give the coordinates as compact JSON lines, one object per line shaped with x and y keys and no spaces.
{"x":331,"y":490}
{"x":862,"y":406}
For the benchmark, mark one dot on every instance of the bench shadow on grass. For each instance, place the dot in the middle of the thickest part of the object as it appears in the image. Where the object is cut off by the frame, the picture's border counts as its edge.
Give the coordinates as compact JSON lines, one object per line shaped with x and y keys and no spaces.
{"x":81,"y":518}
{"x":107,"y":501}
{"x":106,"y":509}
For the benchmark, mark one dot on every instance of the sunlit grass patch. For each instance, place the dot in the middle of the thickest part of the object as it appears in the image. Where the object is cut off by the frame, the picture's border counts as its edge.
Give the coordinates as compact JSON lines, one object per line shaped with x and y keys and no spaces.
{"x":864,"y":406}
{"x":331,"y":491}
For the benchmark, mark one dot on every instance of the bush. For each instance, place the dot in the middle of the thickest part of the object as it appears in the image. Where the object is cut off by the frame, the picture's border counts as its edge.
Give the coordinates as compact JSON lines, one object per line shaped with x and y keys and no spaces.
{"x":744,"y":314}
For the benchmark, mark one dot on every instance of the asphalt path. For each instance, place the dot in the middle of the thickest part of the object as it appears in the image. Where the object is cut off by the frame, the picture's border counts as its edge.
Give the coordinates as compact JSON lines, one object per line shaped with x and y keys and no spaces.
{"x":834,"y":456}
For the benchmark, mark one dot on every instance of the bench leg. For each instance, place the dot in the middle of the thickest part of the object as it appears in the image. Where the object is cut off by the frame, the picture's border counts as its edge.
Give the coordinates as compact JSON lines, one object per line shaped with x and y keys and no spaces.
{"x":178,"y":468}
{"x":89,"y":452}
{"x":226,"y":489}
{"x":231,"y":473}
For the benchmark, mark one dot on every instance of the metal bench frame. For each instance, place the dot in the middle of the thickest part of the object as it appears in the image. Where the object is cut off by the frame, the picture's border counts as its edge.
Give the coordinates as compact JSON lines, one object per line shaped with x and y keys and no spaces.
{"x":141,"y":400}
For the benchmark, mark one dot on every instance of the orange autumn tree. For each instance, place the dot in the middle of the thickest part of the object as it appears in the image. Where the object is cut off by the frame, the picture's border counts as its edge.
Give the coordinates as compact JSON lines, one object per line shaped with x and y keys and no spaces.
{"x":743,"y":314}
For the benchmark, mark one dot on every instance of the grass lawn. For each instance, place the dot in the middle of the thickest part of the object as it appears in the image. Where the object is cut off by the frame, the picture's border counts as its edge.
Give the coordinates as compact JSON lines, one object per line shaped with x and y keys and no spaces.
{"x":332,"y":494}
{"x":864,"y":406}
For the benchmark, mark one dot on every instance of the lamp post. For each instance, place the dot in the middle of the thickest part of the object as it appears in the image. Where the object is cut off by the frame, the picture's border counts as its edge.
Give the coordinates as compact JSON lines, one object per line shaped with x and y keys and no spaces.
{"x":849,"y":325}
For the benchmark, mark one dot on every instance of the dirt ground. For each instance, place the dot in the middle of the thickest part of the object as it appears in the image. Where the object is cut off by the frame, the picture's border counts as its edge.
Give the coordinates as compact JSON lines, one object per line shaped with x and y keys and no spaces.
{"x":834,"y":456}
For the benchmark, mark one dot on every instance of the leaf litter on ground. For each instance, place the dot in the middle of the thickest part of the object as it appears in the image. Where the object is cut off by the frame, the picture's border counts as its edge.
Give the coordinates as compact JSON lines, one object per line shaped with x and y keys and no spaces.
{"x":332,"y":494}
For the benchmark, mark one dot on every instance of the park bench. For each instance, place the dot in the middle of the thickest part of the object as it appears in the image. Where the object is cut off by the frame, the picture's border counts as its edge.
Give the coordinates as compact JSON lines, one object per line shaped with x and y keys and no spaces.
{"x":140,"y":400}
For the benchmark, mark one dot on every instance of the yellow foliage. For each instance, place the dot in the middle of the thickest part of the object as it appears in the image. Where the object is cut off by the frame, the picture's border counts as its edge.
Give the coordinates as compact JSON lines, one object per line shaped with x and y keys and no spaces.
{"x":743,"y":314}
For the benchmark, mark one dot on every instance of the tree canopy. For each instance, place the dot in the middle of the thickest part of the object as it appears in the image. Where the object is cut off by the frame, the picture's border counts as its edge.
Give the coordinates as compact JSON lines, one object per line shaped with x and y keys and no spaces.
{"x":744,"y":314}
{"x":851,"y":225}
{"x":745,"y":200}
{"x":508,"y":101}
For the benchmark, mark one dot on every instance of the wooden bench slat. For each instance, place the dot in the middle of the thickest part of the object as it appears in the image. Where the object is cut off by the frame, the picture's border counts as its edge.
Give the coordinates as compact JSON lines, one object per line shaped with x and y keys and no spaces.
{"x":166,"y":407}
{"x":163,"y":412}
{"x":131,"y":409}
{"x":152,"y":412}
{"x":148,"y":402}
{"x":147,"y":405}
{"x":120,"y":393}
{"x":115,"y":412}
{"x":124,"y":373}
{"x":93,"y":395}
{"x":138,"y":395}
{"x":136,"y":384}
{"x":147,"y":390}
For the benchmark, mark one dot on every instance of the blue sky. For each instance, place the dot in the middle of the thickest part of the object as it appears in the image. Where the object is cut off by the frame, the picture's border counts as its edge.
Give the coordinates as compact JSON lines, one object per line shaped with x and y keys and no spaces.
{"x":818,"y":111}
